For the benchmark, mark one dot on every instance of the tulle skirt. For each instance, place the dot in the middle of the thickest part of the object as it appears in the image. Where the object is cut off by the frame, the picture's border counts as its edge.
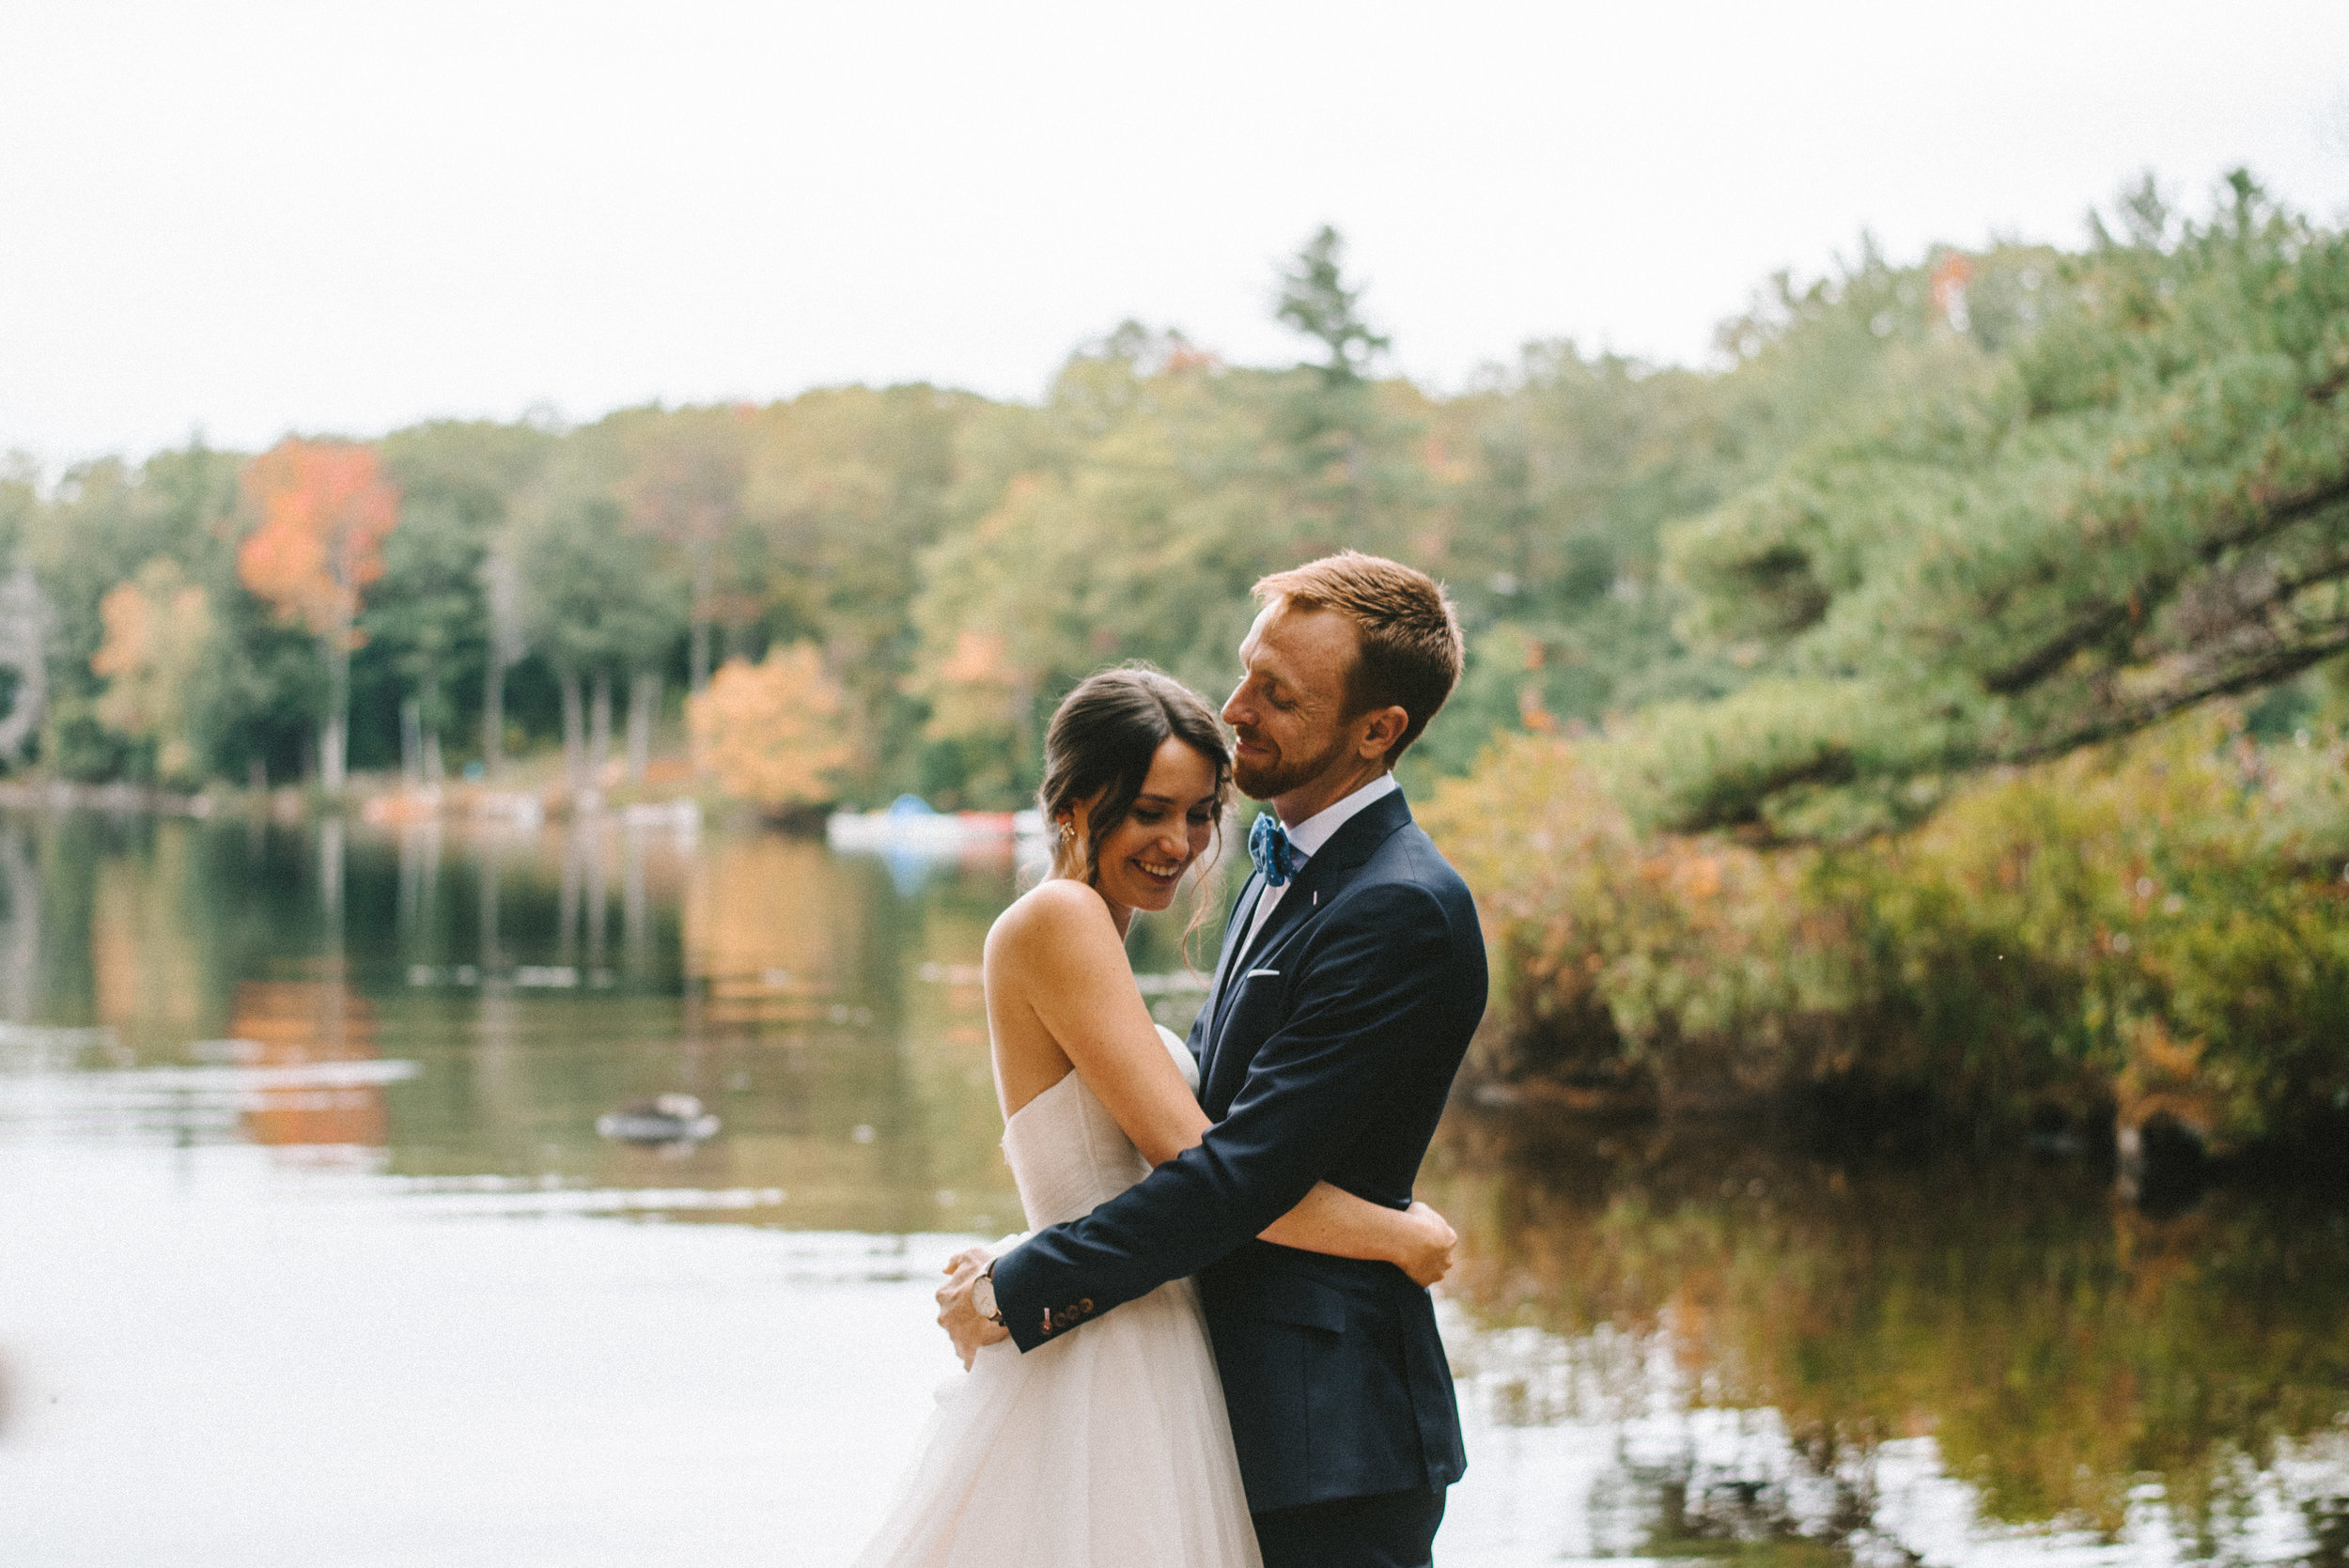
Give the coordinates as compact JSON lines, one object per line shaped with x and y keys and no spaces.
{"x":1105,"y":1448}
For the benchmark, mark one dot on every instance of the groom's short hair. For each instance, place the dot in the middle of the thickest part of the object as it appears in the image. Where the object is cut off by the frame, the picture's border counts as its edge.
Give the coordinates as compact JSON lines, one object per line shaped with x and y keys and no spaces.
{"x":1406,"y":630}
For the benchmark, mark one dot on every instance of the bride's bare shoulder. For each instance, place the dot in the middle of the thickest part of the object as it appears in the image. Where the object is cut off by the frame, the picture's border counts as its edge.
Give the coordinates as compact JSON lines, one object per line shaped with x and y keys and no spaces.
{"x":1050,"y":919}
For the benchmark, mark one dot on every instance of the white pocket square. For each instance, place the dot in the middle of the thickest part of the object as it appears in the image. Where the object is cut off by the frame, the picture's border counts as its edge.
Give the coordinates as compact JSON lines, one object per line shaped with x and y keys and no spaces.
{"x":1252,"y":974}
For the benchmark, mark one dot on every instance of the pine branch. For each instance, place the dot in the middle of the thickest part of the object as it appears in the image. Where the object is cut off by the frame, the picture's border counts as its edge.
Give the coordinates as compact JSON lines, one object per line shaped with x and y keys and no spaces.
{"x":2104,"y":618}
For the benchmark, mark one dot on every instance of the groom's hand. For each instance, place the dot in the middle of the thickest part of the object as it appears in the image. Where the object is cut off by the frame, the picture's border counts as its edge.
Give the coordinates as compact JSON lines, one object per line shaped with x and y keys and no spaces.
{"x":961,"y":1321}
{"x":1431,"y":1258}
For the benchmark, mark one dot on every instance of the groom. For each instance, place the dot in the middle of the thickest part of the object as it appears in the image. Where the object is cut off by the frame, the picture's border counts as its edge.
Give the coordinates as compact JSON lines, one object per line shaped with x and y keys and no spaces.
{"x":1352,"y":975}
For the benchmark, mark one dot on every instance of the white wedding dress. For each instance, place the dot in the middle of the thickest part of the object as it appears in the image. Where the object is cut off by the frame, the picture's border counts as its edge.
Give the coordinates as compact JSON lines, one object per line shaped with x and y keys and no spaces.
{"x":1105,"y":1448}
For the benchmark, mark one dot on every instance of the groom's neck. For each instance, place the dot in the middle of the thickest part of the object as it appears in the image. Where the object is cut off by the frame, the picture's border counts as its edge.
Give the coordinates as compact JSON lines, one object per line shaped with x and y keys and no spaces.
{"x":1317,"y":795}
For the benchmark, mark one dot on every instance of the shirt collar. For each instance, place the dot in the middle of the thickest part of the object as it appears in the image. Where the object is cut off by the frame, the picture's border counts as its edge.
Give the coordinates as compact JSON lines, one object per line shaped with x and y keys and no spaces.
{"x":1317,"y":829}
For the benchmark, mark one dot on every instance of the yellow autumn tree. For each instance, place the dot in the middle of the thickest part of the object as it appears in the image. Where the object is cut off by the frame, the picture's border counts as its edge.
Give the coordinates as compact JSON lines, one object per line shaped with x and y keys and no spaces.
{"x":157,"y":625}
{"x":775,"y":732}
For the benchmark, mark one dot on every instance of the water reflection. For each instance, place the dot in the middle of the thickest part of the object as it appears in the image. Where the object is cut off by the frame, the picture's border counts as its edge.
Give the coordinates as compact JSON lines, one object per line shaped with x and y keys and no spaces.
{"x":20,"y":922}
{"x":1672,"y":1347}
{"x":1925,"y":1361}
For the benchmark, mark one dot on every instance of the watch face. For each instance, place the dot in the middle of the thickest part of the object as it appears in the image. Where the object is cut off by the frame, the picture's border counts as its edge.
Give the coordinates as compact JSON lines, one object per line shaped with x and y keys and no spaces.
{"x":983,"y":1296}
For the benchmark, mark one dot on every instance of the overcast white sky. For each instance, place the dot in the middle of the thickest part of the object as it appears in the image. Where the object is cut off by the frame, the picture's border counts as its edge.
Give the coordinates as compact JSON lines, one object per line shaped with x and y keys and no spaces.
{"x":249,"y":216}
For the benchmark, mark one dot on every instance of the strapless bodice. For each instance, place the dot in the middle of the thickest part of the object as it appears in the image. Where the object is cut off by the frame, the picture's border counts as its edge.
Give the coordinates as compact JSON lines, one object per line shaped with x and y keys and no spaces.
{"x":1067,"y":1152}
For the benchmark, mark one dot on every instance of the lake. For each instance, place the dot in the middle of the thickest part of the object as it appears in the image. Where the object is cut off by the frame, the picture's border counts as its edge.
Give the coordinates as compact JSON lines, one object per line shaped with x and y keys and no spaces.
{"x":313,"y":1255}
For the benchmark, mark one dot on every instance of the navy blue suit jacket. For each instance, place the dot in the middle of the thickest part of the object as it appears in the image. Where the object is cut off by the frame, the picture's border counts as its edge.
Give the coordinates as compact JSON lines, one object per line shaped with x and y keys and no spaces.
{"x":1327,"y":1052}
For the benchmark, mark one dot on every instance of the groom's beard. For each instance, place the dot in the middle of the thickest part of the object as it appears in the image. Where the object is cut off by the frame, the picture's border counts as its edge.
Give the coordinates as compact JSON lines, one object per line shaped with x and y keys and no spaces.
{"x":1267,"y":781}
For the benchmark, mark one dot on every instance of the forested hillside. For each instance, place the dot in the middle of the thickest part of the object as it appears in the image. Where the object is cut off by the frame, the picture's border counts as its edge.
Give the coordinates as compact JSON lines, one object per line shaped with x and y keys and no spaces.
{"x":2032,"y":799}
{"x":953,"y":562}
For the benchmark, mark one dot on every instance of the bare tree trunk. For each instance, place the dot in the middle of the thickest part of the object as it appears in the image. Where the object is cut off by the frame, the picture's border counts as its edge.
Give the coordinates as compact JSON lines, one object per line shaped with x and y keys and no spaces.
{"x":408,"y":912}
{"x":20,"y":935}
{"x":492,"y":717}
{"x":636,"y":942}
{"x":493,"y":958}
{"x":574,"y":733}
{"x":599,"y":730}
{"x":411,"y":743}
{"x":643,"y":709}
{"x":428,"y":723}
{"x":599,"y":898}
{"x":705,"y":590}
{"x":504,"y":593}
{"x":330,"y":880}
{"x":24,"y":626}
{"x":566,"y":900}
{"x":698,"y":671}
{"x":335,"y":733}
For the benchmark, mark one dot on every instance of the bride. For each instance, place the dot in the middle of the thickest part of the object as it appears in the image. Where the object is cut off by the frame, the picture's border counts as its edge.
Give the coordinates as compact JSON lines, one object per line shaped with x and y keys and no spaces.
{"x":1109,"y":1447}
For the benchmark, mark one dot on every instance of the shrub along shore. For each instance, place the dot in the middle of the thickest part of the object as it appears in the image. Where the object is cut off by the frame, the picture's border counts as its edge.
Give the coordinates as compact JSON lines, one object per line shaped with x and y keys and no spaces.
{"x":2150,"y":938}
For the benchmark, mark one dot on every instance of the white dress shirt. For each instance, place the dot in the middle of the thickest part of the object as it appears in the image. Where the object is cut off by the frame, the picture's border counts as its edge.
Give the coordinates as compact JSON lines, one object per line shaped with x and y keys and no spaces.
{"x":1308,"y":837}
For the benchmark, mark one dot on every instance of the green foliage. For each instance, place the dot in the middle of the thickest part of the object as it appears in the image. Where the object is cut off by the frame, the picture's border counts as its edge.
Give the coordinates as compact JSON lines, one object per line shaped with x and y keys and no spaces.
{"x":2168,"y":918}
{"x":2079,"y":497}
{"x":597,"y":596}
{"x":1139,"y":505}
{"x":1687,"y":969}
{"x":427,"y":621}
{"x":1316,"y":300}
{"x":98,"y":527}
{"x":845,"y":491}
{"x":2141,"y":506}
{"x":959,"y":563}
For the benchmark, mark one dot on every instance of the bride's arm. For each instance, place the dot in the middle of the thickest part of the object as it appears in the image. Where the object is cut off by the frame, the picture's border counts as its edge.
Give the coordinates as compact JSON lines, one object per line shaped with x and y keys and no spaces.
{"x":1064,"y":961}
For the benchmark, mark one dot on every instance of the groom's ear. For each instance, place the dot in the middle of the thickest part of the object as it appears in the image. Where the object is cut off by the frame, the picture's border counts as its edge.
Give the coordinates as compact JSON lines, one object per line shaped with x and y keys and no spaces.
{"x":1377,"y":732}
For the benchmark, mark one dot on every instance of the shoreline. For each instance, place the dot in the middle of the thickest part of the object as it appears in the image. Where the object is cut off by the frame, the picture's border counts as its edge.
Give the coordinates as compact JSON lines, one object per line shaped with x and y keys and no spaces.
{"x":2161,"y":1167}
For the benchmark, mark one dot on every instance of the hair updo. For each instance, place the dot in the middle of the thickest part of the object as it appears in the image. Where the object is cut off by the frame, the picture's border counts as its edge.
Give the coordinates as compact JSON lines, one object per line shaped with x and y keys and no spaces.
{"x":1099,"y":749}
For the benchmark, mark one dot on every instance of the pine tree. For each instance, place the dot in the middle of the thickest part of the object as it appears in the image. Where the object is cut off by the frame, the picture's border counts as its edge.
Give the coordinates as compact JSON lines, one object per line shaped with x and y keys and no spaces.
{"x":2142,"y":507}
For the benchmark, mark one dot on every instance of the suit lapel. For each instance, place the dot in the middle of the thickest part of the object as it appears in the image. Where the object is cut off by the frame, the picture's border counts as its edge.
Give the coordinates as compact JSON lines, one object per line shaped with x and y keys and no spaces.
{"x":1325,"y":876}
{"x":1234,"y":938}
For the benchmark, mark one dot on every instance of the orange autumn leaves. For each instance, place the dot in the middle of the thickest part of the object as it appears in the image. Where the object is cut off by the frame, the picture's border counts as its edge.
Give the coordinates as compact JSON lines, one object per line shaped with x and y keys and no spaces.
{"x":777,"y":733}
{"x":325,"y":508}
{"x":156,"y":629}
{"x":320,"y":511}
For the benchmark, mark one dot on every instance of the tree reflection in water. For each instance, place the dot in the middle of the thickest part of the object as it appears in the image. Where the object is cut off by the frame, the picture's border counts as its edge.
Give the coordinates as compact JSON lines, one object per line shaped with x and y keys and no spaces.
{"x":2006,"y":1322}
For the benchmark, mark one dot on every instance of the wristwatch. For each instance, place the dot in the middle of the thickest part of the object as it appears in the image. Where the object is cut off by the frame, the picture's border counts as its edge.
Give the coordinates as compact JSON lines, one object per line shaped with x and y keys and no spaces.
{"x":983,"y":1296}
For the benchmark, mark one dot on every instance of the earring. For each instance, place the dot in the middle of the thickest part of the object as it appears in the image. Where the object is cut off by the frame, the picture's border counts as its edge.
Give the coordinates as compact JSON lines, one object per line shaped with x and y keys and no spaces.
{"x":1068,"y":831}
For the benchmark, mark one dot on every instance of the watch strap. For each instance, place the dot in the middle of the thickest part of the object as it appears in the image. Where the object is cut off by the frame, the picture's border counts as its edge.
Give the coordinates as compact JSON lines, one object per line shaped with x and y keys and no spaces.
{"x":995,"y":1317}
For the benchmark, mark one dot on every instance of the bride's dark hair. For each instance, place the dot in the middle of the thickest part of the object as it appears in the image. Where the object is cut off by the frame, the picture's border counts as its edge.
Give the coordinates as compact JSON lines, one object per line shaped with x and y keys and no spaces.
{"x":1099,"y":749}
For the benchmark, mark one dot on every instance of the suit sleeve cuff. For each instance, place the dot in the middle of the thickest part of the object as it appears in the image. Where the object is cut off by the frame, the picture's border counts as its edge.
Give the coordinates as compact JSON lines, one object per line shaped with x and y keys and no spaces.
{"x":1015,"y":1297}
{"x":1018,"y":1297}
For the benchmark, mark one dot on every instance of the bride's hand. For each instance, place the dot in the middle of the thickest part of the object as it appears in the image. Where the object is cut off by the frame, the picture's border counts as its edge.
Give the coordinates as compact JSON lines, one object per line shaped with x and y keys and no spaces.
{"x":957,"y":1315}
{"x":1427,"y":1256}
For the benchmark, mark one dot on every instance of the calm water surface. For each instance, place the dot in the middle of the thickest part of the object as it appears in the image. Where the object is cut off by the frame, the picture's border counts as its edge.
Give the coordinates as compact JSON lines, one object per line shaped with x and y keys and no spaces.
{"x":312,"y":1255}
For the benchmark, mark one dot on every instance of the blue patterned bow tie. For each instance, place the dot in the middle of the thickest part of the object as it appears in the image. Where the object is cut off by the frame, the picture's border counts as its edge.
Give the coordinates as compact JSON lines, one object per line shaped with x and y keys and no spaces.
{"x":1277,"y":859}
